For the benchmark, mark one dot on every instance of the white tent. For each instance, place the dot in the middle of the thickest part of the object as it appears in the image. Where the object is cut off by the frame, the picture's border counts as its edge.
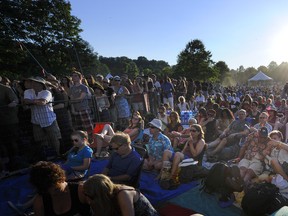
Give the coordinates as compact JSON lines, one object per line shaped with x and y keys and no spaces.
{"x":260,"y":76}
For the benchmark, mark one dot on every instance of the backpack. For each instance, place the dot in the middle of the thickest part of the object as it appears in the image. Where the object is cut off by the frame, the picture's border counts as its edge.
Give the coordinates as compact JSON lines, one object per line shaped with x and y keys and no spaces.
{"x":192,"y":172}
{"x":261,"y":199}
{"x":224,"y":180}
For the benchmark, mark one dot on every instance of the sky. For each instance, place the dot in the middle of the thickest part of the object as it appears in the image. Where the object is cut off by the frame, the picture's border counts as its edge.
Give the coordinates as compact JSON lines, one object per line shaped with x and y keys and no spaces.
{"x":250,"y":33}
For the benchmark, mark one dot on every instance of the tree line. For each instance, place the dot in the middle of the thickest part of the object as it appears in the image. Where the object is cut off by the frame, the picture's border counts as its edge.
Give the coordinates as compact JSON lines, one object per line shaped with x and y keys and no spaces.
{"x":42,"y":36}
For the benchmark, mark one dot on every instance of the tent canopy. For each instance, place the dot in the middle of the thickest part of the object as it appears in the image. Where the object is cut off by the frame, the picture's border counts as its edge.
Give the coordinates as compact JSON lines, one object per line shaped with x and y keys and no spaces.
{"x":260,"y":76}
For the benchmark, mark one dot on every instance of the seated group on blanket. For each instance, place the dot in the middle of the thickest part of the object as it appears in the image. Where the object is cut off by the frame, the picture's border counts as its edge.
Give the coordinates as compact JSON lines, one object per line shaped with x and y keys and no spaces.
{"x":56,"y":196}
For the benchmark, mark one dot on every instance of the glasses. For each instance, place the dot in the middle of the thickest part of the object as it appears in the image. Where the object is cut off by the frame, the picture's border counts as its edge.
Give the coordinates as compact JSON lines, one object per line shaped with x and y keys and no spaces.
{"x":75,"y":140}
{"x":193,"y":130}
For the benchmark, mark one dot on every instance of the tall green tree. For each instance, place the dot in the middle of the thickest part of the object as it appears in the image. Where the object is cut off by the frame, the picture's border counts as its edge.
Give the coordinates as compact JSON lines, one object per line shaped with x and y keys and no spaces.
{"x":195,"y":62}
{"x":45,"y":34}
{"x":223,"y":70}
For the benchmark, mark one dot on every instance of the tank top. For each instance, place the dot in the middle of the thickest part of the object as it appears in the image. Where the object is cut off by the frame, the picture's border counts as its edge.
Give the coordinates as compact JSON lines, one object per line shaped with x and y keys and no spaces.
{"x":76,"y":205}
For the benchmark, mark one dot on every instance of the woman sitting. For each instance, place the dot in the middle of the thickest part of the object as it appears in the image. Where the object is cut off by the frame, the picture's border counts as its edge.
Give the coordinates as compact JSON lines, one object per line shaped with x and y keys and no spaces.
{"x":109,"y":199}
{"x":55,"y":196}
{"x":181,"y":137}
{"x":173,"y":125}
{"x":79,"y":156}
{"x":193,"y":148}
{"x":103,"y":139}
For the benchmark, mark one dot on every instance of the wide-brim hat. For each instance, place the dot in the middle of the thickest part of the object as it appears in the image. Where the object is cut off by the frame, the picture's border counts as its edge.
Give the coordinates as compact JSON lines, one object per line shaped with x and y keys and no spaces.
{"x":156,"y":123}
{"x":98,"y":86}
{"x":37,"y":79}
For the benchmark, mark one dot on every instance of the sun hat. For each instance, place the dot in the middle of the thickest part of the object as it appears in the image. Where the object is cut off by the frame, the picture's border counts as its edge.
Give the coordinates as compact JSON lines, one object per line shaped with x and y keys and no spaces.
{"x":263,"y":132}
{"x":98,"y":86}
{"x":156,"y":123}
{"x":37,"y":79}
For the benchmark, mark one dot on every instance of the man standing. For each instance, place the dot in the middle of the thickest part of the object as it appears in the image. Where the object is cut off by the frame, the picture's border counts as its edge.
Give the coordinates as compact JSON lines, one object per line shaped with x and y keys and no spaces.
{"x":43,"y":118}
{"x":80,"y":109}
{"x":168,"y":91}
{"x":8,"y":124}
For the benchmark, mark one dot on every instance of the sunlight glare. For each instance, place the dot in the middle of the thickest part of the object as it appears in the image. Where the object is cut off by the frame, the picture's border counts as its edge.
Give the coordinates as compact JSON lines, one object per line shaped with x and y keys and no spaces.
{"x":279,"y":45}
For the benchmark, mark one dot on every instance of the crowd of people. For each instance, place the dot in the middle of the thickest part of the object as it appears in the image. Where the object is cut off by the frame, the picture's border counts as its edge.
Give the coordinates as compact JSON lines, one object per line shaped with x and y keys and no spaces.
{"x":246,"y":124}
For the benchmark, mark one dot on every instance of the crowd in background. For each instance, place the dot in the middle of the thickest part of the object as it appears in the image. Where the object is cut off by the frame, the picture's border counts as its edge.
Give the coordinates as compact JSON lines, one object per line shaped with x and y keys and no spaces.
{"x":76,"y":102}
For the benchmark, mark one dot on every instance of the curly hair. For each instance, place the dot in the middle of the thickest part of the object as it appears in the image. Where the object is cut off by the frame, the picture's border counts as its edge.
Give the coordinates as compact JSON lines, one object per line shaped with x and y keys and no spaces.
{"x":44,"y":175}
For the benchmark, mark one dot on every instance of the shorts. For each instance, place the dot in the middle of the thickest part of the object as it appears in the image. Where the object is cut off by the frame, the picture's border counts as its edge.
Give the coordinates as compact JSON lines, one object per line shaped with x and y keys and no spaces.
{"x":44,"y":133}
{"x":173,"y":154}
{"x":254,"y":164}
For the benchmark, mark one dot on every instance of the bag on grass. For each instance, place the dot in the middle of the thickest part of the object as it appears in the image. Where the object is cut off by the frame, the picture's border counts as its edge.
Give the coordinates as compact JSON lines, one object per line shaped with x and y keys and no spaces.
{"x":224,"y":180}
{"x":191,"y":171}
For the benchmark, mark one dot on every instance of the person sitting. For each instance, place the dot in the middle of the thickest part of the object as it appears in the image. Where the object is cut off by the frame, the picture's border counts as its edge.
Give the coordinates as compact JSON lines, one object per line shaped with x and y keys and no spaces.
{"x":79,"y":156}
{"x":181,"y":137}
{"x":156,"y":146}
{"x":103,"y":139}
{"x":108,"y":199}
{"x":192,"y":149}
{"x":182,"y":105}
{"x":279,"y":155}
{"x":226,"y":146}
{"x":226,"y":117}
{"x":253,"y":153}
{"x":163,"y":116}
{"x":54,"y":195}
{"x":210,"y":126}
{"x":124,"y":162}
{"x":173,"y":125}
{"x":263,"y":122}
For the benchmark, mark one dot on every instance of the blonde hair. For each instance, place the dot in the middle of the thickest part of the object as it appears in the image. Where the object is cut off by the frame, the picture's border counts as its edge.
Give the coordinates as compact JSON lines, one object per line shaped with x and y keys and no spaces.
{"x":121,"y":138}
{"x":101,"y":190}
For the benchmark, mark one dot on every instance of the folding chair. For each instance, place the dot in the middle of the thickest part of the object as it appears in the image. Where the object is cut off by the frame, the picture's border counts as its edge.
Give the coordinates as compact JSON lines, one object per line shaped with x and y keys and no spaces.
{"x":143,"y":153}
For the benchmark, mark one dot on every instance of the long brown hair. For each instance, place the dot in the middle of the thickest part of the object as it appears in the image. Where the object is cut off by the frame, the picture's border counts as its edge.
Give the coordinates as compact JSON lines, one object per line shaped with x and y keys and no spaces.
{"x":101,"y":190}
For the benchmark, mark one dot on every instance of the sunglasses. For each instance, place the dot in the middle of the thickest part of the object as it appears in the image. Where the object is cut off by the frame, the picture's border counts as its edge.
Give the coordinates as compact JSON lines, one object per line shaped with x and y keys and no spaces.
{"x":262,"y":117}
{"x":152,"y":127}
{"x":193,"y":130}
{"x":75,"y":140}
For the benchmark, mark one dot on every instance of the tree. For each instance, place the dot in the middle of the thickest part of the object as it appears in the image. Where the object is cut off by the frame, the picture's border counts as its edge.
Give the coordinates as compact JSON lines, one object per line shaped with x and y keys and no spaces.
{"x":194,"y":62}
{"x":223,"y":70}
{"x":42,"y":34}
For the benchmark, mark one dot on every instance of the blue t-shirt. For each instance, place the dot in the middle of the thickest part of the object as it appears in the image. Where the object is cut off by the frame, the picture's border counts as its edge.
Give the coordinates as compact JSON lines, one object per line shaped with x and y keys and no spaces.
{"x":76,"y":158}
{"x":128,"y":165}
{"x":167,"y":89}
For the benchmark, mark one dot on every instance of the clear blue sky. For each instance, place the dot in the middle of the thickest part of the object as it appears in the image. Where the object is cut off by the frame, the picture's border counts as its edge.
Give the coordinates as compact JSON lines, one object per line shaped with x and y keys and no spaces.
{"x":240,"y":32}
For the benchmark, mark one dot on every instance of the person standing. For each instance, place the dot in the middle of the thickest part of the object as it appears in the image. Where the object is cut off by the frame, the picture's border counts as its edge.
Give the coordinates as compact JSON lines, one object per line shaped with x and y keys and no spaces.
{"x":167,"y":92}
{"x":43,"y":118}
{"x":79,"y":94}
{"x":8,"y":124}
